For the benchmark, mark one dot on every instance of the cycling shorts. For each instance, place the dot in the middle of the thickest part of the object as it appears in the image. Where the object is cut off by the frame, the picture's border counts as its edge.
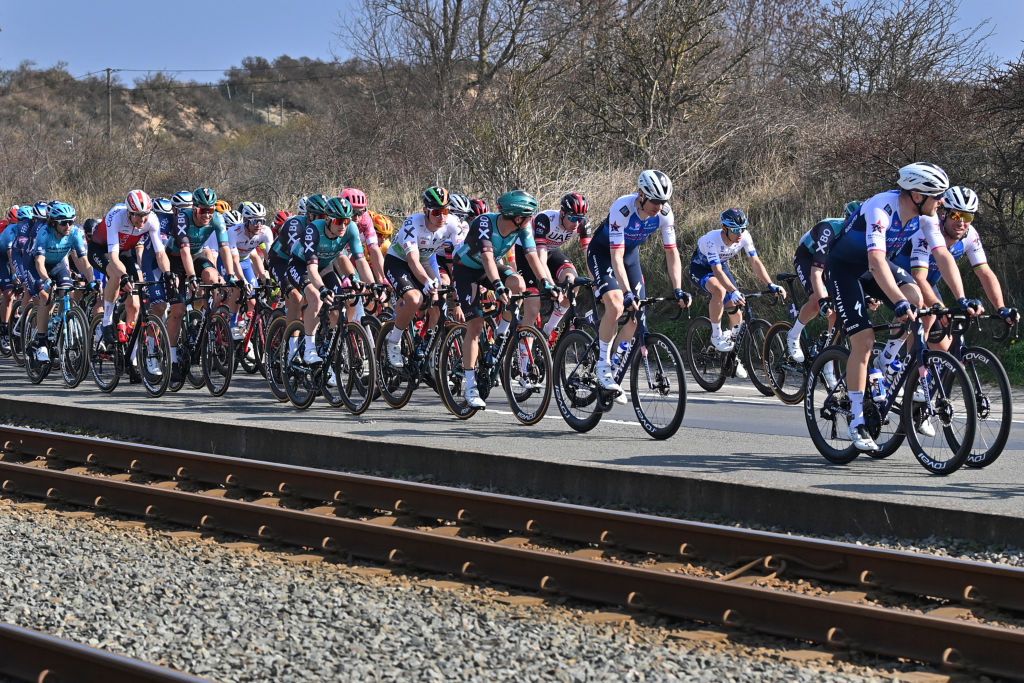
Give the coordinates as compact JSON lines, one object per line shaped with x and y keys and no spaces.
{"x":468,"y":283}
{"x":701,"y":274}
{"x":199,"y":264}
{"x":599,"y":262}
{"x":558,"y":265}
{"x":100,"y":259}
{"x":802,"y":264}
{"x":849,"y":286}
{"x":59,"y":273}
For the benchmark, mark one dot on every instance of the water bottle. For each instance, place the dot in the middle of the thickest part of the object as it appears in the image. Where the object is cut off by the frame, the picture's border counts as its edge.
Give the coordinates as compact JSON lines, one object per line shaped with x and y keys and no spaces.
{"x":893,"y":370}
{"x":51,"y":327}
{"x":877,"y":384}
{"x":122,"y":332}
{"x":620,"y":353}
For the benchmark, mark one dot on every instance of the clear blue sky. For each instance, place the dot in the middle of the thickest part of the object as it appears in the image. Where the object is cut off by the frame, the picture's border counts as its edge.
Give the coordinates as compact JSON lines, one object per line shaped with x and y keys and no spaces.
{"x":92,"y":34}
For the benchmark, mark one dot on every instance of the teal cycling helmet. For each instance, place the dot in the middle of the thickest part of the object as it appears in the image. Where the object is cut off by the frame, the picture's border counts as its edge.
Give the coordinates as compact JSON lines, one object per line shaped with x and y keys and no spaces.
{"x":316,"y":204}
{"x":517,"y":203}
{"x":338,"y":208}
{"x":205,"y":197}
{"x":62,"y":211}
{"x":26,"y":213}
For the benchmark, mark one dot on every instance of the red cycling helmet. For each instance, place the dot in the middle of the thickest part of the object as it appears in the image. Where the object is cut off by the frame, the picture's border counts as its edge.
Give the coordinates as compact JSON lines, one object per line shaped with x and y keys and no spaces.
{"x":280,"y":218}
{"x":12,"y":214}
{"x":356,"y":197}
{"x":139,"y":202}
{"x":575,"y":204}
{"x":479,"y":206}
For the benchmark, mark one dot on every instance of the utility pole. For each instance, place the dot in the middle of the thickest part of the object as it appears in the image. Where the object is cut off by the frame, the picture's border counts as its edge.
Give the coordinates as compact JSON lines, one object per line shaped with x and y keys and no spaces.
{"x":281,"y":109}
{"x":110,"y":113}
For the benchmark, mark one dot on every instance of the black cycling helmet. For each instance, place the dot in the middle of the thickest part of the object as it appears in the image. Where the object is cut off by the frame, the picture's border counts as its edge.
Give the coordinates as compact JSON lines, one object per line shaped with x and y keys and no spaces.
{"x":435,"y":197}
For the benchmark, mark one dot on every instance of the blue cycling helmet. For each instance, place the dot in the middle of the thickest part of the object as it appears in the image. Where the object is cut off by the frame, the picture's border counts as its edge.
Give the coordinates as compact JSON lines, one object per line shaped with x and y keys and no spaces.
{"x":41,"y":209}
{"x":734,"y":219}
{"x":163,"y":205}
{"x":26,"y":213}
{"x":62,"y":211}
{"x":182,"y":200}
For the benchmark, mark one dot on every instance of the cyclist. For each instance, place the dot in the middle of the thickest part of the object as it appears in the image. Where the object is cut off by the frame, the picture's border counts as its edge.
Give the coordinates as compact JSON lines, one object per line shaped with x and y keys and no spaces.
{"x":164,"y":210}
{"x":709,"y":270}
{"x":956,"y":217}
{"x":385,"y":229}
{"x":809,"y":264}
{"x":552,"y":230}
{"x":614,"y":261}
{"x":249,"y":241}
{"x":59,"y":237}
{"x":287,"y":237}
{"x":859,"y":265}
{"x":193,"y":228}
{"x":300,"y":206}
{"x":279,"y":219}
{"x":364,"y":222}
{"x":322,"y":242}
{"x":7,"y":271}
{"x":112,"y":250}
{"x":182,"y":200}
{"x":411,"y":266}
{"x":492,"y":236}
{"x":478,"y":207}
{"x":10,"y":218}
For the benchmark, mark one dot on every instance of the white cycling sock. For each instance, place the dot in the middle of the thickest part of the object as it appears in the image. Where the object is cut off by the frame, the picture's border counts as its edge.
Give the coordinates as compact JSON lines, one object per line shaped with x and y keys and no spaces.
{"x":108,"y":313}
{"x":502,"y":326}
{"x":174,"y":354}
{"x":603,"y":349}
{"x":716,"y":329}
{"x":395,"y":335}
{"x":798,"y":327}
{"x":891,"y":350}
{"x":857,"y":408}
{"x":556,"y":317}
{"x":470,"y":378}
{"x":310,"y":344}
{"x":360,"y":310}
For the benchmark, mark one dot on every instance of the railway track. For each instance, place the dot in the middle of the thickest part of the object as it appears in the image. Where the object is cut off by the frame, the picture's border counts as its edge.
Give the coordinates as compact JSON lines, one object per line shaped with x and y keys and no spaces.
{"x":27,"y":655}
{"x":963,"y":616}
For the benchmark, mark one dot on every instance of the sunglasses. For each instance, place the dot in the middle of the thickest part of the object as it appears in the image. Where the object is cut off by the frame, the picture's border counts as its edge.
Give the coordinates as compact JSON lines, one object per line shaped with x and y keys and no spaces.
{"x":736,"y":231}
{"x":138,"y":214}
{"x":961,"y":216}
{"x":255,"y":221}
{"x":64,"y":223}
{"x":437,"y":213}
{"x":341,"y":221}
{"x":573,"y":218}
{"x":358,"y":212}
{"x":205,"y":209}
{"x":656,"y":202}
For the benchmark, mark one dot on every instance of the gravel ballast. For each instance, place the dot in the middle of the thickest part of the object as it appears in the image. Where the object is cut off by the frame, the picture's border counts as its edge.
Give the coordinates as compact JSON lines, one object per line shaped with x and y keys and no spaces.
{"x":229,"y":614}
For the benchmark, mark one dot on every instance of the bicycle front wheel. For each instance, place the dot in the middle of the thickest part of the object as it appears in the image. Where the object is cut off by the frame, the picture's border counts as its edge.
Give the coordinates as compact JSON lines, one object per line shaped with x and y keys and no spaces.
{"x":526,"y":375}
{"x":73,"y":345}
{"x":753,"y":355}
{"x":576,"y":389}
{"x":106,"y":361}
{"x":274,"y":357}
{"x":155,"y":355}
{"x":218,"y":354}
{"x":948,"y":408}
{"x":301,"y":381}
{"x":704,"y":359}
{"x":785,"y":376}
{"x":396,"y":384}
{"x":827,"y":408}
{"x":352,"y":361}
{"x":451,"y":379}
{"x":994,"y":403}
{"x":658,"y":386}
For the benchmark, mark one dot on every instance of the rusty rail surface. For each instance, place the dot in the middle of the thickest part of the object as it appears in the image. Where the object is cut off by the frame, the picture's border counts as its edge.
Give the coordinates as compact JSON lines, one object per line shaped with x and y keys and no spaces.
{"x":955,"y":644}
{"x":40,"y":658}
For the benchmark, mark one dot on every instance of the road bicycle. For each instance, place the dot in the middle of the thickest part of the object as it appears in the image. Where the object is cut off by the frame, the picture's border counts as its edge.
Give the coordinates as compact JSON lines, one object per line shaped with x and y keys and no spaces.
{"x":947,"y":403}
{"x":206,"y":346}
{"x":67,"y":337}
{"x":657,"y":380}
{"x":711,"y":367}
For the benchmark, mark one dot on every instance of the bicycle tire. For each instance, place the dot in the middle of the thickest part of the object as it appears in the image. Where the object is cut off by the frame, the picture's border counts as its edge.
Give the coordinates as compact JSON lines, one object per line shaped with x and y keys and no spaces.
{"x":975,"y":357}
{"x":829,"y":402}
{"x":217,"y":355}
{"x":538,"y":371}
{"x":396,"y":384}
{"x":785,"y":376}
{"x":659,"y":346}
{"x":73,"y":346}
{"x":300,"y":381}
{"x":17,"y":339}
{"x":360,"y":376}
{"x":450,"y":375}
{"x":753,"y":357}
{"x":373,"y":327}
{"x":274,"y":357}
{"x":103,"y":363}
{"x":952,"y":377}
{"x":192,"y":323}
{"x":575,"y":380}
{"x":154,"y":331}
{"x":707,"y":364}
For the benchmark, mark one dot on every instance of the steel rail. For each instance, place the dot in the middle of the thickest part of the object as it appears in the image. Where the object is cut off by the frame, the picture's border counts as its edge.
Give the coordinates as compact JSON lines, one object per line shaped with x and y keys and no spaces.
{"x":955,"y":644}
{"x":974,"y":584}
{"x":40,"y":658}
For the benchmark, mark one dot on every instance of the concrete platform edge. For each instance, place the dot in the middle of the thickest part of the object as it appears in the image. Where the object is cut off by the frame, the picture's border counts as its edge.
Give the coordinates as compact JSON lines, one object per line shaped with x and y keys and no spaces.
{"x":678,"y":496}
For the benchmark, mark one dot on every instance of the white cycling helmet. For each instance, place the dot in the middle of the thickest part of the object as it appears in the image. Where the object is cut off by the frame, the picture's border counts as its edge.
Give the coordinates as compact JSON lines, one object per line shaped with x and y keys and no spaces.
{"x":231,"y":218}
{"x":961,"y":199}
{"x":300,"y":209}
{"x":925,"y":178}
{"x":251,"y":210}
{"x":655,"y":185}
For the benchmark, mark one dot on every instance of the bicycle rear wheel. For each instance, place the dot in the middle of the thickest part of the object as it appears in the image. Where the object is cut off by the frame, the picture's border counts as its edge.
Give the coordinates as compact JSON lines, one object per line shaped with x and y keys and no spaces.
{"x":155,"y":356}
{"x":827,"y":407}
{"x":274,"y":357}
{"x":353,"y":363}
{"x":450,"y":376}
{"x":301,"y":382}
{"x":950,"y":410}
{"x":218,"y":354}
{"x":526,"y":375}
{"x":785,"y":376}
{"x":658,"y":386}
{"x":753,"y":355}
{"x":575,"y":380}
{"x":73,"y":347}
{"x":17,"y":338}
{"x":106,"y":361}
{"x":396,"y":384}
{"x":994,"y":403}
{"x":192,"y":356}
{"x":704,"y":359}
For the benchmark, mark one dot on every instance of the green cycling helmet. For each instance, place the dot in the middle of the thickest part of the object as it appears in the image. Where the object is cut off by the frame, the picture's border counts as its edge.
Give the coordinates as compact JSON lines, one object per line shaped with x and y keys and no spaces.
{"x":517,"y":203}
{"x":205,"y":197}
{"x":852,"y":208}
{"x":338,"y":208}
{"x":316,"y":204}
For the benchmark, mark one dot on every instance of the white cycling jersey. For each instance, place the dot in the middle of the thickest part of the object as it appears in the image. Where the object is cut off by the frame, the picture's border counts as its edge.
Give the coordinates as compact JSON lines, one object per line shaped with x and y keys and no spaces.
{"x":970,"y":246}
{"x":240,"y":241}
{"x":549,"y":233}
{"x":414,"y":234}
{"x":713,"y":251}
{"x":118,"y":231}
{"x":624,"y":229}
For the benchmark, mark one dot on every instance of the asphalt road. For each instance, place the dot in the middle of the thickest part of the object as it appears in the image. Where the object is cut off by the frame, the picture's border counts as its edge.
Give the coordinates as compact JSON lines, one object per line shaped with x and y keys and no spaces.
{"x":734,"y":435}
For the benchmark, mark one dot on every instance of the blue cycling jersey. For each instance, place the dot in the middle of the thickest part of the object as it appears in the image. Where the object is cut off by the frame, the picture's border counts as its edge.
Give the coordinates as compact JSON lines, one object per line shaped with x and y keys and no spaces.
{"x":25,"y":237}
{"x":55,"y":247}
{"x":7,"y":238}
{"x":484,"y":229}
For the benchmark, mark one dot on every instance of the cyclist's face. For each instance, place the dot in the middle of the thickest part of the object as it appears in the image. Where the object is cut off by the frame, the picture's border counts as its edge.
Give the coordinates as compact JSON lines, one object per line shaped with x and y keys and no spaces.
{"x":202,"y":215}
{"x":954,"y":226}
{"x":731,"y":237}
{"x":648,"y":208}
